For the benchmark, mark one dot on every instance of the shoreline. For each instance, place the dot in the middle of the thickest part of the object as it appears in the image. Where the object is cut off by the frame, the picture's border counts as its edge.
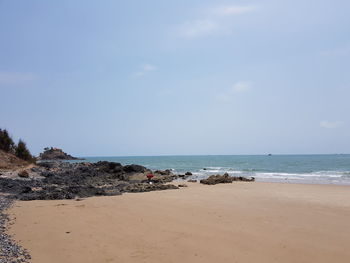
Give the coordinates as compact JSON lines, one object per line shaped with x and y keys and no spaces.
{"x":243,"y":222}
{"x":10,"y":250}
{"x":306,"y":182}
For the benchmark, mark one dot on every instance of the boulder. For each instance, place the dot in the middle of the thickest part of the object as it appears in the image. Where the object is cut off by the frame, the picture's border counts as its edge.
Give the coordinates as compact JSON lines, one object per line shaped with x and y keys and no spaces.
{"x":164,"y":178}
{"x":23,"y":174}
{"x":134,"y":168}
{"x":165,"y":172}
{"x":224,"y":179}
{"x":192,"y":181}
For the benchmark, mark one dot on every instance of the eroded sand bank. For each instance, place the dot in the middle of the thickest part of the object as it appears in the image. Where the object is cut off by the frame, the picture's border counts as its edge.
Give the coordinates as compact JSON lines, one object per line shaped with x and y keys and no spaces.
{"x":239,"y":222}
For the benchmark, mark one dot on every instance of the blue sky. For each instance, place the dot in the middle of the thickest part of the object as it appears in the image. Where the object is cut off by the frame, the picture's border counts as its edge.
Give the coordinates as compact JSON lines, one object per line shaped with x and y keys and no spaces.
{"x":102,"y":78}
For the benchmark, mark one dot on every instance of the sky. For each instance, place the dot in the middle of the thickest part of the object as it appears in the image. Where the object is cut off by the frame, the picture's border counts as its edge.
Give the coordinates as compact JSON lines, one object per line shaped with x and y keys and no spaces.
{"x":155,"y":77}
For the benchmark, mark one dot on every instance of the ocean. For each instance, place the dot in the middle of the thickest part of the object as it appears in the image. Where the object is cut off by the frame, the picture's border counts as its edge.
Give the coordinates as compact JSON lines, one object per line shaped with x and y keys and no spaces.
{"x":315,"y":169}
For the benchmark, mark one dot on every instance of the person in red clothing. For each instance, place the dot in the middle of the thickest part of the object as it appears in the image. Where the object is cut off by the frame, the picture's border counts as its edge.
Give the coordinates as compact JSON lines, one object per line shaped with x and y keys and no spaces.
{"x":150,"y":176}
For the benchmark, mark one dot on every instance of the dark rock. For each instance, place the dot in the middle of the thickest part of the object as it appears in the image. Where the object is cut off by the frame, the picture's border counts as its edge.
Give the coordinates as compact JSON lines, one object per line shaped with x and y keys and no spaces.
{"x":56,"y":154}
{"x":134,"y":168}
{"x":26,"y":189}
{"x":188,"y":173}
{"x":224,"y":179}
{"x":35,"y":170}
{"x":165,"y":172}
{"x":145,"y":187}
{"x":47,"y":165}
{"x":164,"y":178}
{"x":23,"y":174}
{"x":182,"y":185}
{"x":63,"y":180}
{"x":192,"y":181}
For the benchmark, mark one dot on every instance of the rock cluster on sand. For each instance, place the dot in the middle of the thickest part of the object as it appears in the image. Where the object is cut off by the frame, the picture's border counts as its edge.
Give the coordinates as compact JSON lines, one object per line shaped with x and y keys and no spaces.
{"x":224,"y":179}
{"x":55,"y":154}
{"x":62,"y":180}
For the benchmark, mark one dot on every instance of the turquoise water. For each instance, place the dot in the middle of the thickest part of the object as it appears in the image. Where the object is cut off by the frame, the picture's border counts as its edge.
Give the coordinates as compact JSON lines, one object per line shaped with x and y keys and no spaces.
{"x":329,"y":169}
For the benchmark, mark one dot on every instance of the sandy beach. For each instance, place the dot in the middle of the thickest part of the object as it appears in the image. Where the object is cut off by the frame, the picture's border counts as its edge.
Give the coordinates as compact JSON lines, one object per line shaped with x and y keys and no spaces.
{"x":239,"y":222}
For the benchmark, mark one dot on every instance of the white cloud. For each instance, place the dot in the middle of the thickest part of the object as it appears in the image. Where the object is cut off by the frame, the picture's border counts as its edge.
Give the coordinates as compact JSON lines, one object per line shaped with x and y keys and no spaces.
{"x":197,"y":28}
{"x":146,"y":68}
{"x":234,"y":9}
{"x":331,"y":124}
{"x":16,"y":77}
{"x":213,"y":21}
{"x":239,"y":87}
{"x":242,"y":86}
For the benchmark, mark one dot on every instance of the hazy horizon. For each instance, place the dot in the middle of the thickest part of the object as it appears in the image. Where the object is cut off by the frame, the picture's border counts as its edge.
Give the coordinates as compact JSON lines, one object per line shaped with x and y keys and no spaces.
{"x":156,"y":78}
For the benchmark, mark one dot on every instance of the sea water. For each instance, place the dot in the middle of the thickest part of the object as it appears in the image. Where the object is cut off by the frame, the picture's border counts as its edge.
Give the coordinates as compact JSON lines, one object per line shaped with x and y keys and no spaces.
{"x":323,"y":169}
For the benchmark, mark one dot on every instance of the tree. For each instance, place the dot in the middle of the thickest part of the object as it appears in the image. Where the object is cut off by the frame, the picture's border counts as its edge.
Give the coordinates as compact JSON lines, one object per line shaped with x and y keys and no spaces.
{"x":23,"y":153}
{"x":6,"y":142}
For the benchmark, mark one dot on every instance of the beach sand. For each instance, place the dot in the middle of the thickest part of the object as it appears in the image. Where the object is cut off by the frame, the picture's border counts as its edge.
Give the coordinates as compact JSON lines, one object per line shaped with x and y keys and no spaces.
{"x":238,"y":222}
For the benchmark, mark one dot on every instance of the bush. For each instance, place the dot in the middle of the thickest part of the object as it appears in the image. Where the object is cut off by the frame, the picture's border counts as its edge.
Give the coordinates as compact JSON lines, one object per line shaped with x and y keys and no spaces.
{"x":23,"y":153}
{"x":6,"y":142}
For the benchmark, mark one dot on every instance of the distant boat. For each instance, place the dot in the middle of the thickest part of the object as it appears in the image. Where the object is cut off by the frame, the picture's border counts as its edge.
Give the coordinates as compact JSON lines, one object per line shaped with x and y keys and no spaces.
{"x":269,"y":154}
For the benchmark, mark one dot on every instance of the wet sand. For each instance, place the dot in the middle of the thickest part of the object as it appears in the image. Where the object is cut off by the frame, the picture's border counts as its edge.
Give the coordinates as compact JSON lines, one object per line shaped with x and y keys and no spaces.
{"x":239,"y":222}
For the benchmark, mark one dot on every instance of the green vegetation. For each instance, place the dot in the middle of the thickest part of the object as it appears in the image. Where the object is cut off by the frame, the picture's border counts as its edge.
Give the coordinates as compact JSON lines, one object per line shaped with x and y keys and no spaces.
{"x":6,"y":142}
{"x":20,"y":150}
{"x":23,"y":153}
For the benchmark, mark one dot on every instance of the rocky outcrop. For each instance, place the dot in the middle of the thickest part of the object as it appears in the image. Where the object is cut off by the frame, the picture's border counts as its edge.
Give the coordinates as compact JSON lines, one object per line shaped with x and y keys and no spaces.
{"x":224,"y":179}
{"x":62,"y":180}
{"x":55,"y":154}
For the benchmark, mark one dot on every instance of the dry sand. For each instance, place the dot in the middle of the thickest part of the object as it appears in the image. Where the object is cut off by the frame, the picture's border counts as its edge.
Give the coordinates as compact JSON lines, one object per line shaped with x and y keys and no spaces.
{"x":239,"y":222}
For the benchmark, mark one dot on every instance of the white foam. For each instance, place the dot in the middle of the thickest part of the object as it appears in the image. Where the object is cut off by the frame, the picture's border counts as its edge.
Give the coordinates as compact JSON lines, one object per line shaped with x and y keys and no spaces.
{"x":320,"y":175}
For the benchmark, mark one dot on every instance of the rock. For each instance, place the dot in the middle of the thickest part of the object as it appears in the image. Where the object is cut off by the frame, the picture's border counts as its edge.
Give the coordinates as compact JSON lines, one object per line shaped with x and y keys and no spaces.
{"x":55,"y":154}
{"x":10,"y":251}
{"x":182,"y":185}
{"x":26,"y":189}
{"x":63,"y":180}
{"x":224,"y":179}
{"x":164,"y":178}
{"x":23,"y":174}
{"x":243,"y":179}
{"x":188,"y":173}
{"x":165,"y":172}
{"x":192,"y":181}
{"x":145,"y":187}
{"x":134,"y":168}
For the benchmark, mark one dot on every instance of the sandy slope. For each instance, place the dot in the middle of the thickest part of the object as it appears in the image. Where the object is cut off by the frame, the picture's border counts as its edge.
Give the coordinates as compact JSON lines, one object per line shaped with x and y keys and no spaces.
{"x":10,"y":161}
{"x":239,"y":222}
